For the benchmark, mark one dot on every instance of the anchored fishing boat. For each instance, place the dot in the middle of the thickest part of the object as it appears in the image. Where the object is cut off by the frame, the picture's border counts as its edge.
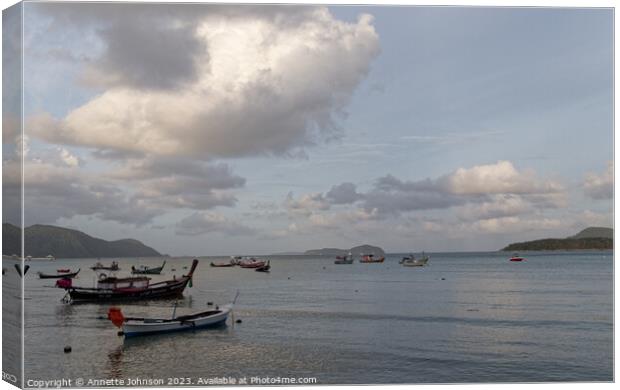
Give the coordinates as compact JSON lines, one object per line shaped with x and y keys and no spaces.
{"x":136,"y":326}
{"x":144,"y":270}
{"x":59,"y":275}
{"x":516,"y":257}
{"x":264,"y":268}
{"x":231,"y":263}
{"x":411,"y":261}
{"x":99,"y":266}
{"x":348,"y":259}
{"x":371,"y":259}
{"x":132,"y":326}
{"x":129,"y":289}
{"x":252,"y":263}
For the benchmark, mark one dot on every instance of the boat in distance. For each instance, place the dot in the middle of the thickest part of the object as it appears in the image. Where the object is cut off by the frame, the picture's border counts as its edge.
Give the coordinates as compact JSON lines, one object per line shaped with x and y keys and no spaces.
{"x":516,"y":257}
{"x":371,"y":259}
{"x":344,"y":259}
{"x":264,"y":268}
{"x":111,"y":289}
{"x":59,"y":275}
{"x":144,"y":270}
{"x":411,"y":261}
{"x":99,"y":266}
{"x":231,"y":263}
{"x":132,"y":326}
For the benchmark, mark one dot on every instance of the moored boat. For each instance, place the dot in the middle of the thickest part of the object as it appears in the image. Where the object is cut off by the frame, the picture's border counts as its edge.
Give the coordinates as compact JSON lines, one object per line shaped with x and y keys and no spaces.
{"x":348,"y":259}
{"x":64,"y":270}
{"x":231,"y":263}
{"x":411,"y":261}
{"x":144,"y":270}
{"x":132,"y":326}
{"x":264,"y":268}
{"x":130,"y":289}
{"x":371,"y":259}
{"x":516,"y":257}
{"x":252,"y":263}
{"x":60,"y":275}
{"x":112,"y":267}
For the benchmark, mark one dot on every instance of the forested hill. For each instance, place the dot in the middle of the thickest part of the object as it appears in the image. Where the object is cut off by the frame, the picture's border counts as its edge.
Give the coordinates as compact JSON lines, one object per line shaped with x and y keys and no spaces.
{"x":590,"y":238}
{"x":43,"y":240}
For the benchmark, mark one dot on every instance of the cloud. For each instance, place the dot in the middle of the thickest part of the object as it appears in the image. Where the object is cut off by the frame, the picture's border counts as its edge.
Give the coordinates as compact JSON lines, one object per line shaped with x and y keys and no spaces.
{"x":600,"y":186}
{"x":68,"y":158}
{"x":516,"y":224}
{"x":498,"y":207}
{"x":232,"y":83}
{"x":205,"y":223}
{"x":344,"y":193}
{"x":172,"y":182}
{"x":54,"y":192}
{"x":499,"y":178}
{"x":147,"y":54}
{"x":307,"y":204}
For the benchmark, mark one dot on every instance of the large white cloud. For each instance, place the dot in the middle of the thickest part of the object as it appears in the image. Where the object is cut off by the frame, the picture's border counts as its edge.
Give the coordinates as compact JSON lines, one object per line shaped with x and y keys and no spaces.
{"x":499,"y":178}
{"x":258,"y":84}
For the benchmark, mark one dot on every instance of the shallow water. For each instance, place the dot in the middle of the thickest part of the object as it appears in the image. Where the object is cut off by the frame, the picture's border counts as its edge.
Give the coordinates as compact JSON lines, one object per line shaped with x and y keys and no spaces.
{"x":469,"y":317}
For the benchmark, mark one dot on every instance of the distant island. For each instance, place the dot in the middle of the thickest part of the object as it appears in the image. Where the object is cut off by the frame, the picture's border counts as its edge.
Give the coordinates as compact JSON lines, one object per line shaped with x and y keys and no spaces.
{"x":356,"y":250}
{"x":43,"y":240}
{"x":589,"y":238}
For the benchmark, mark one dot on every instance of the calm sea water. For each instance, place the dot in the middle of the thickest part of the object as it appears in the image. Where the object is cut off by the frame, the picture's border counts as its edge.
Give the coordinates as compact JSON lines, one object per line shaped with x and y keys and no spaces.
{"x":469,"y":317}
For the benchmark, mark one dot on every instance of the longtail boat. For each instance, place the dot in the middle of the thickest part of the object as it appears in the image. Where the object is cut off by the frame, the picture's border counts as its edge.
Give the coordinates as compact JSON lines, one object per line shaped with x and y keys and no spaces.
{"x":264,"y":268}
{"x":99,"y":266}
{"x":60,"y":275}
{"x":144,"y":270}
{"x":344,"y":259}
{"x":371,"y":259}
{"x":231,"y":263}
{"x":134,"y":326}
{"x":252,"y":263}
{"x":110,"y":289}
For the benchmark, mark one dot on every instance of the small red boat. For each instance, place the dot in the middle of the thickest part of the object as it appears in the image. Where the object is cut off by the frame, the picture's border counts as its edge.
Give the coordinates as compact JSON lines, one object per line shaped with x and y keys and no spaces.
{"x":371,"y":259}
{"x":516,"y":257}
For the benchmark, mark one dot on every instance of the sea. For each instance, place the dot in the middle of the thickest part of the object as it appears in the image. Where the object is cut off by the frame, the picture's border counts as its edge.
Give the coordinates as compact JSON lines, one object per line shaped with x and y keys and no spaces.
{"x":463,"y":318}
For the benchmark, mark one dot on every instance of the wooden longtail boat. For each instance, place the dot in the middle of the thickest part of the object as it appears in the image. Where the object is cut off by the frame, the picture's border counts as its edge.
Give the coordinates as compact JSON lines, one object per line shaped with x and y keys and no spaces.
{"x":344,"y":259}
{"x":59,"y":275}
{"x":132,"y":326}
{"x":131,"y":289}
{"x":253,"y":263}
{"x":144,"y":270}
{"x":230,"y":264}
{"x":371,"y":259}
{"x":99,"y":266}
{"x":264,"y":268}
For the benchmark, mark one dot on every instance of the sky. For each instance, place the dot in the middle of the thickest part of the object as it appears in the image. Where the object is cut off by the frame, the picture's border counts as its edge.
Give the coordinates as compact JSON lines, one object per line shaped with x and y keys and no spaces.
{"x":248,"y":129}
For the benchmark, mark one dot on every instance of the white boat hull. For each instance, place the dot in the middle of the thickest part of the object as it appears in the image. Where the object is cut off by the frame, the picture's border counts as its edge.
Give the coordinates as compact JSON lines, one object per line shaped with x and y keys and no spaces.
{"x":415,"y":263}
{"x":133,"y":328}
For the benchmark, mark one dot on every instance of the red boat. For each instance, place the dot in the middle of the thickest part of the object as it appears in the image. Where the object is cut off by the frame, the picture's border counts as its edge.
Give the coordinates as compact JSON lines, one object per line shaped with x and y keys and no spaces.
{"x":516,"y":257}
{"x":371,"y":259}
{"x":63,"y":271}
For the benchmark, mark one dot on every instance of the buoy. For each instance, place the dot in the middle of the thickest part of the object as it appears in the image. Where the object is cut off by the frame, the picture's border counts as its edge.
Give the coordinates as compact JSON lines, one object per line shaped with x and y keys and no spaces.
{"x":443,"y":278}
{"x":67,"y":349}
{"x":239,"y":321}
